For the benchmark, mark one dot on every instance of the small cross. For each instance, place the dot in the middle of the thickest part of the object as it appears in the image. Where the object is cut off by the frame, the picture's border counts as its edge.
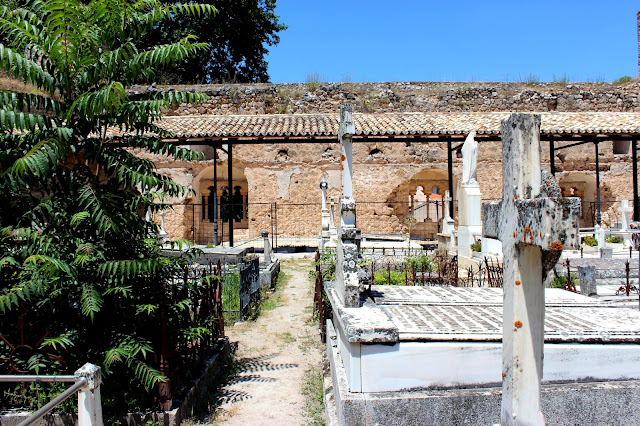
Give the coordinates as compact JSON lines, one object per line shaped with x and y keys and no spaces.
{"x":625,"y":210}
{"x":534,"y":224}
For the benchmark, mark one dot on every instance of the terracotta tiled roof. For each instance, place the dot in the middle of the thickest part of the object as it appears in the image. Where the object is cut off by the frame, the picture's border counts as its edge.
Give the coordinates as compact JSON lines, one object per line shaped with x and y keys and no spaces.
{"x":395,"y":124}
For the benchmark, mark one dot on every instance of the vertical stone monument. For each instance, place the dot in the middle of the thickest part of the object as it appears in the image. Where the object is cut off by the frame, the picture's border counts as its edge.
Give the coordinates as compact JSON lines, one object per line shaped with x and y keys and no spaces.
{"x":347,"y":284}
{"x":469,"y":199}
{"x":534,"y":224}
{"x":447,"y":238}
{"x":326,"y":219}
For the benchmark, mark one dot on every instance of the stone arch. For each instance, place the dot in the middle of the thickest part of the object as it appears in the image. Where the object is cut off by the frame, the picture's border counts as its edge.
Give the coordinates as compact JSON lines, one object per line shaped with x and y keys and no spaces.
{"x":232,"y":206}
{"x":421,"y":198}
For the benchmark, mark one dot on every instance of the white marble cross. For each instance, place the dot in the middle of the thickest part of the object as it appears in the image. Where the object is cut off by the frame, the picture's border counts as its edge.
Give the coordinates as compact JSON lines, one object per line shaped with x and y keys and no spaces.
{"x":446,"y":200}
{"x":346,"y":283}
{"x":534,"y":229}
{"x":625,"y":210}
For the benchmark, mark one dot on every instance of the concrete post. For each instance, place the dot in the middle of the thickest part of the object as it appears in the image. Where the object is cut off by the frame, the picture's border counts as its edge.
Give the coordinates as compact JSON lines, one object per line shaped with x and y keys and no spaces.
{"x":534,"y":229}
{"x":89,"y":403}
{"x":267,"y":247}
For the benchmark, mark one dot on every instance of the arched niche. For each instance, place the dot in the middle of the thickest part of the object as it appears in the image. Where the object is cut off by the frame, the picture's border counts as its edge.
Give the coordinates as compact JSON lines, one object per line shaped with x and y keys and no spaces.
{"x":231,"y":204}
{"x":418,"y":202}
{"x":583,"y":186}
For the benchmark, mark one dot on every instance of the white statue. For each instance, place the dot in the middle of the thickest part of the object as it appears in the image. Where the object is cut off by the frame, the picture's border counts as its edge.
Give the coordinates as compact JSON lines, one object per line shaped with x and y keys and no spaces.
{"x":469,"y":159}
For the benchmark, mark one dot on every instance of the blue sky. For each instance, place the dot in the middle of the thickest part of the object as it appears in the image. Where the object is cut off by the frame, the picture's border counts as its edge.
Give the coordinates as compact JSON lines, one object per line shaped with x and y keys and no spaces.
{"x":411,"y":40}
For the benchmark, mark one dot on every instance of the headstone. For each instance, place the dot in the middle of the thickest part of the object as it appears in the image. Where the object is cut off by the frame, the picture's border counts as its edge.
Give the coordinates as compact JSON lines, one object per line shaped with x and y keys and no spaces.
{"x":469,"y":199}
{"x":267,"y":247}
{"x":447,"y":221}
{"x":326,"y":220}
{"x":534,"y":229}
{"x":625,"y":210}
{"x":347,"y":285}
{"x":587,"y":277}
{"x":606,"y":252}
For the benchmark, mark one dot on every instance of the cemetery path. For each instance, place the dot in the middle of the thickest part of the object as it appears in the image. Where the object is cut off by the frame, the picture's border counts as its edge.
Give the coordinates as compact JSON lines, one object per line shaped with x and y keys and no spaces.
{"x":274,"y":358}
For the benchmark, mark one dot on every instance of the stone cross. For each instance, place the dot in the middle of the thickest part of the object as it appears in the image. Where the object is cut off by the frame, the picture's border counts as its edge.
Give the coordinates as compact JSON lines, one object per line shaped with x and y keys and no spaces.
{"x":534,"y":224}
{"x":446,"y":200}
{"x":625,"y":210}
{"x":346,"y":283}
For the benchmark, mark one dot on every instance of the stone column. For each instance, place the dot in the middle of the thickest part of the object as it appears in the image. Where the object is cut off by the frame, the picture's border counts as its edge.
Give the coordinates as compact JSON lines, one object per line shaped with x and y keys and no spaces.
{"x":469,"y":200}
{"x":534,"y":224}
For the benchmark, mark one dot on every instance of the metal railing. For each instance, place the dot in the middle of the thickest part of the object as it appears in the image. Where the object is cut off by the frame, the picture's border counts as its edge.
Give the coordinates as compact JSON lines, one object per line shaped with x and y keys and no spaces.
{"x":86,"y":381}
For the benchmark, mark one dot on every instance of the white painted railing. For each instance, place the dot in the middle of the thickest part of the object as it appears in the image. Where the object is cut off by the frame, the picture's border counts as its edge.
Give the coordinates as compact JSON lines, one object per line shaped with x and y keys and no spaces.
{"x":86,"y":381}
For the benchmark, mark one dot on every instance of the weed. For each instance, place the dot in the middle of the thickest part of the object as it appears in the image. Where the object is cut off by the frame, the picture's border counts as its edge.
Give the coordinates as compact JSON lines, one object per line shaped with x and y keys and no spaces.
{"x":560,"y":281}
{"x":477,"y":246}
{"x":562,"y":80}
{"x":530,"y":78}
{"x":313,"y":82}
{"x":313,"y":391}
{"x":623,"y":80}
{"x":389,"y":278}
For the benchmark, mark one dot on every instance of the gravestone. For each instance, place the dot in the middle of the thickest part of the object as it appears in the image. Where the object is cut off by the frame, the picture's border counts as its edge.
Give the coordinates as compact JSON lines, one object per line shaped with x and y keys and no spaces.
{"x":326,"y":220}
{"x":587,"y":277}
{"x":469,"y":199}
{"x":624,"y":210}
{"x":347,"y":284}
{"x":534,"y":228}
{"x":447,"y":222}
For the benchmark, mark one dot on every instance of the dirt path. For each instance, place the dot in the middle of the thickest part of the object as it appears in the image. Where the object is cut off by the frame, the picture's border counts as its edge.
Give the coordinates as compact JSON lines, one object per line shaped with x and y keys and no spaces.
{"x":274,"y":356}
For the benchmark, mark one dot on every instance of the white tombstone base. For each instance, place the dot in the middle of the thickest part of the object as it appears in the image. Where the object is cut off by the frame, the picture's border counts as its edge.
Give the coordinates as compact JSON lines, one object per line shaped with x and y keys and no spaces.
{"x":467,"y":235}
{"x":470,"y":201}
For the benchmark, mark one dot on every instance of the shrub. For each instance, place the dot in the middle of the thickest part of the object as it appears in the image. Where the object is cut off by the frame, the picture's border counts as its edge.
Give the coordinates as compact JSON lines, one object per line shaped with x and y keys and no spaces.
{"x":477,"y":246}
{"x":588,"y":240}
{"x":389,"y":278}
{"x":623,"y":80}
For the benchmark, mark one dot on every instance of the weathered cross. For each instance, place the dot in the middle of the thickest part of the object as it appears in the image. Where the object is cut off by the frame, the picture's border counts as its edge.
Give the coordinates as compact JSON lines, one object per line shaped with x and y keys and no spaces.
{"x":347,"y":283}
{"x":534,"y":225}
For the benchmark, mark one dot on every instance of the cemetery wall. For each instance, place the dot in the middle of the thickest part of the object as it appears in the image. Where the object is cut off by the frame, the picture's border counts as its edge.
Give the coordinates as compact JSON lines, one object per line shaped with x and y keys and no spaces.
{"x":289,"y":174}
{"x":312,"y":97}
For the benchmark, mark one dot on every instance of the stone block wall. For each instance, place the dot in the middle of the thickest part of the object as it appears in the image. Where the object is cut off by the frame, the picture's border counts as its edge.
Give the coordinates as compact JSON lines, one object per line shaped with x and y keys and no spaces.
{"x":301,"y":98}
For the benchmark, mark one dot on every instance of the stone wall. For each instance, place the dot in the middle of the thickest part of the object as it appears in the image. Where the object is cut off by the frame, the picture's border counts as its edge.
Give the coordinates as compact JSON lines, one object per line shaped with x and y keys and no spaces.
{"x":301,"y":98}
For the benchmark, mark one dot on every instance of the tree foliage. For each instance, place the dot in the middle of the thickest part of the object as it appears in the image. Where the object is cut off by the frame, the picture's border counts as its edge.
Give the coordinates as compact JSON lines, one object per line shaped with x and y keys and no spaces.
{"x":238,"y":37}
{"x":77,"y":259}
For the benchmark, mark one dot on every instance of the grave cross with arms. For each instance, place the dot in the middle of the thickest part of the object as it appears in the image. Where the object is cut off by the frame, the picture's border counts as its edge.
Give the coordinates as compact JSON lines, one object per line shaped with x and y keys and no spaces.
{"x":347,"y":283}
{"x":534,"y":225}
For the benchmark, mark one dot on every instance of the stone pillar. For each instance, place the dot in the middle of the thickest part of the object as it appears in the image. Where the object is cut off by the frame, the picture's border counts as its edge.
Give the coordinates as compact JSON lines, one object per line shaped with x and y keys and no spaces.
{"x":347,"y":284}
{"x":639,"y":44}
{"x":534,"y":224}
{"x":326,"y":220}
{"x":333,"y":231}
{"x":267,"y":247}
{"x":587,"y":276}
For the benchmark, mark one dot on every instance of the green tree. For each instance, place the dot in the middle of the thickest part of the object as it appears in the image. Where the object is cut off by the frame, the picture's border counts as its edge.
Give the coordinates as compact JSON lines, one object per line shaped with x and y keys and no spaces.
{"x":80,"y":268}
{"x":238,"y":38}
